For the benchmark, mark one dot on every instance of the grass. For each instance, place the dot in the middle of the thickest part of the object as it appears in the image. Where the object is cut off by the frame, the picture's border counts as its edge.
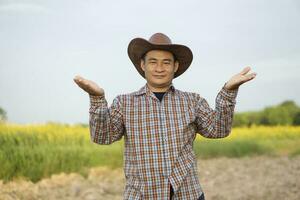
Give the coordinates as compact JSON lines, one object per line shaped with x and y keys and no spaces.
{"x":257,"y":140}
{"x":38,"y":151}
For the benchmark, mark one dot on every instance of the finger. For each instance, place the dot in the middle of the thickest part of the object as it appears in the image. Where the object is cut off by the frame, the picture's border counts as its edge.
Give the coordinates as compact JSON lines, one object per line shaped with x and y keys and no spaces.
{"x":81,"y":82}
{"x":78,"y":78}
{"x":249,"y":77}
{"x":85,"y":87}
{"x":245,"y":70}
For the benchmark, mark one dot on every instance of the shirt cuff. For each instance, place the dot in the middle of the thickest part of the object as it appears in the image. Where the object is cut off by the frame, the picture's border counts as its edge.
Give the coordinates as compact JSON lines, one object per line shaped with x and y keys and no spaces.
{"x":96,"y":100}
{"x":229,"y":94}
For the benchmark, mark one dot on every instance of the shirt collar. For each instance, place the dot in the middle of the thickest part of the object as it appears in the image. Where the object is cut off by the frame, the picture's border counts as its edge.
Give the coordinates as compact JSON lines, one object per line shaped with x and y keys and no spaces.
{"x":145,"y":90}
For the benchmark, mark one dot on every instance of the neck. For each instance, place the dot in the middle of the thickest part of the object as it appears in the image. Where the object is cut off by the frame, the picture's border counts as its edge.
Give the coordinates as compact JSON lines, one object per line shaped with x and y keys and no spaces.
{"x":159,"y":89}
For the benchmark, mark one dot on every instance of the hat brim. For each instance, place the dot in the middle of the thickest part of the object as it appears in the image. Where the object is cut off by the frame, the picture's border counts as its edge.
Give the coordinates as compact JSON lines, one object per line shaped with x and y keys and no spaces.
{"x":139,"y":46}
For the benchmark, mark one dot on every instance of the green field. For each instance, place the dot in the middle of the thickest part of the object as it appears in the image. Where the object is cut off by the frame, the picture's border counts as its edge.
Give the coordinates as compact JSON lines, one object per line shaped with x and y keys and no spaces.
{"x":38,"y":151}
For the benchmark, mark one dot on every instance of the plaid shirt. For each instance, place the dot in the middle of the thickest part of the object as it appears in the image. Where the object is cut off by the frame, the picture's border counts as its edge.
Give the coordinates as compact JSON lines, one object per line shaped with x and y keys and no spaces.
{"x":159,"y":137}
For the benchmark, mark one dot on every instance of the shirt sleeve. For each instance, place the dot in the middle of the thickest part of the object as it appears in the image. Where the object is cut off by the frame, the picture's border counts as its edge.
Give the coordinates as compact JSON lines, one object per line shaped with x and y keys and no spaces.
{"x":106,"y":123}
{"x":216,"y":123}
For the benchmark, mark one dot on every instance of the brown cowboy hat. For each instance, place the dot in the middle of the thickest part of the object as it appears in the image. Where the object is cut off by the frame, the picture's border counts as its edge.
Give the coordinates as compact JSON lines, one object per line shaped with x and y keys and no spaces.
{"x":159,"y":41}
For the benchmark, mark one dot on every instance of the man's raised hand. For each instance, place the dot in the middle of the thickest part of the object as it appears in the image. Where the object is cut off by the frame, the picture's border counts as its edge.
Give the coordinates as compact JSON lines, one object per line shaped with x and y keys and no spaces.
{"x":89,"y":86}
{"x":239,"y":79}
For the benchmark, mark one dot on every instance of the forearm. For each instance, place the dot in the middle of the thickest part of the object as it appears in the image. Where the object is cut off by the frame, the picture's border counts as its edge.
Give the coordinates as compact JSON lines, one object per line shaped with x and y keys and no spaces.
{"x":105,"y":123}
{"x":225,"y":104}
{"x":217,"y":123}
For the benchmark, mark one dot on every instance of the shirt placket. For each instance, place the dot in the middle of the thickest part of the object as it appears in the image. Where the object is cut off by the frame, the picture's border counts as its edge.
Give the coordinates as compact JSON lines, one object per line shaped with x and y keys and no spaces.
{"x":163,"y":135}
{"x":165,"y":144}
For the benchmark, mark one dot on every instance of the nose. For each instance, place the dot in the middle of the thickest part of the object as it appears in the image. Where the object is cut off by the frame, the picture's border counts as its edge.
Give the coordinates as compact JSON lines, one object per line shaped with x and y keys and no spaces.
{"x":159,"y":67}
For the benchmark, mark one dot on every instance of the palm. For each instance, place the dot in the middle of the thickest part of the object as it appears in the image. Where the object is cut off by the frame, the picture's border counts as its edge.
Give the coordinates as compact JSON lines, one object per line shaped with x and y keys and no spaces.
{"x":89,"y":86}
{"x":240,"y":78}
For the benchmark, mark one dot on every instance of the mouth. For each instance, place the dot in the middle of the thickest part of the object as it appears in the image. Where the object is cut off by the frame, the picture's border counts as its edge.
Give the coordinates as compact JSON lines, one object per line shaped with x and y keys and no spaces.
{"x":159,"y":76}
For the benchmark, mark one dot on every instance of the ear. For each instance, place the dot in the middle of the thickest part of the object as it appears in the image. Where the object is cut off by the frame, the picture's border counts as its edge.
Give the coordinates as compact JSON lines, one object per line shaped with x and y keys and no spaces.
{"x":176,"y":66}
{"x":143,"y":64}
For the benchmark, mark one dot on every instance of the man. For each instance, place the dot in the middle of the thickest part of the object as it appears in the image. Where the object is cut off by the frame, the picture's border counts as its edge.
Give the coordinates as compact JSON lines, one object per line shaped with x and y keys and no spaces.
{"x":159,"y":123}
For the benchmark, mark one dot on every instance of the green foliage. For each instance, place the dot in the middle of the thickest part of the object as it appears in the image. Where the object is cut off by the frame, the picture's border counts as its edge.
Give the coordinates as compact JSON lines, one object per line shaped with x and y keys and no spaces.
{"x":247,"y":119}
{"x":297,"y":119}
{"x":42,"y":150}
{"x":286,"y":113}
{"x":3,"y":116}
{"x":38,"y":151}
{"x":235,"y":148}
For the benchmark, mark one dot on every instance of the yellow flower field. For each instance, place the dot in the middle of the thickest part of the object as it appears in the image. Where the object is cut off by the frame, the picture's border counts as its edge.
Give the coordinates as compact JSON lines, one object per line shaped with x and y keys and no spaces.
{"x":37,"y":151}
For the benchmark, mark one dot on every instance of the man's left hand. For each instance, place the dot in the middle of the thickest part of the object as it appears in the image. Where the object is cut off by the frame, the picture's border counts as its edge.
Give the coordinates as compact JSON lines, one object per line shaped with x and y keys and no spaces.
{"x":239,"y":79}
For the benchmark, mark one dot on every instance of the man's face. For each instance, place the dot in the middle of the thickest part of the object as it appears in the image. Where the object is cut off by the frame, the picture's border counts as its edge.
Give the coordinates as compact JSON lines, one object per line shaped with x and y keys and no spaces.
{"x":159,"y":67}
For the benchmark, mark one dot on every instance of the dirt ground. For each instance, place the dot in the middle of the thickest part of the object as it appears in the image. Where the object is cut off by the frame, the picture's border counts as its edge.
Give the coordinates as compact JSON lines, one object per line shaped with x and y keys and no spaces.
{"x":246,"y":178}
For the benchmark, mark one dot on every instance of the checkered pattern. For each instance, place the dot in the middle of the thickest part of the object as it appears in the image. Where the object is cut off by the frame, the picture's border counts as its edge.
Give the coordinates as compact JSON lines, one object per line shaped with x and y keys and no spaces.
{"x":159,"y":137}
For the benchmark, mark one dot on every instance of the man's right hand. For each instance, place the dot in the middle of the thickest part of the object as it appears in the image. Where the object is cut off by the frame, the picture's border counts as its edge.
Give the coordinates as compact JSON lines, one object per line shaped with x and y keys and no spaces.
{"x":89,"y":86}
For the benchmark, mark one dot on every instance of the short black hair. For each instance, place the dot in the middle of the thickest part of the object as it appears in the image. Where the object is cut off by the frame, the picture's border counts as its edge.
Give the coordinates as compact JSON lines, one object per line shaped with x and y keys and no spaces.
{"x":144,"y":56}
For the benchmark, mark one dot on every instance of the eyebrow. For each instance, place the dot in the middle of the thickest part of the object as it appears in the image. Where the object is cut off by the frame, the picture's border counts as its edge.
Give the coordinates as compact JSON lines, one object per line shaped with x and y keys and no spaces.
{"x":166,"y":59}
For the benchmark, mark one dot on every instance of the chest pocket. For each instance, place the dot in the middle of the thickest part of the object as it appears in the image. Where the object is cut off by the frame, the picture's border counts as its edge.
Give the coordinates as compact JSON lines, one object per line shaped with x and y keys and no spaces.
{"x":186,"y":129}
{"x":187,"y":117}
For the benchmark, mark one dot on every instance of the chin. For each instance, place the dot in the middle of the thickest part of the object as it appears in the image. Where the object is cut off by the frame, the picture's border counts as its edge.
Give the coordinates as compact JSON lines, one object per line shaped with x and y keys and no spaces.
{"x":161,"y":83}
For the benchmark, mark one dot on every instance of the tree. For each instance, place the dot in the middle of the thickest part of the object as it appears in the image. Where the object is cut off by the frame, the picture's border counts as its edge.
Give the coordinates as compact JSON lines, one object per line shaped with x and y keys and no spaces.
{"x":285,"y":113}
{"x":297,"y":118}
{"x":3,"y":116}
{"x":282,"y":114}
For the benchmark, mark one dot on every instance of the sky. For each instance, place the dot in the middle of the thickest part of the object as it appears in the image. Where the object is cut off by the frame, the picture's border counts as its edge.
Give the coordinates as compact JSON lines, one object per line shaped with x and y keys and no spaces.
{"x":45,"y":44}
